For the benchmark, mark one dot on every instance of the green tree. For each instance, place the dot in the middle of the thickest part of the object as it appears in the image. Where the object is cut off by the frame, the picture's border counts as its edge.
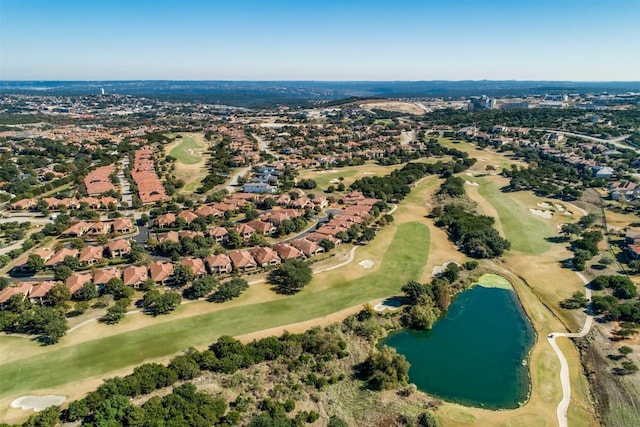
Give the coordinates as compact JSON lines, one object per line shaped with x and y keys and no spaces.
{"x":385,"y":369}
{"x":201,"y":287}
{"x":62,"y":273}
{"x":88,"y":292}
{"x":166,"y":303}
{"x":182,"y":274}
{"x":291,"y":276}
{"x":35,"y":262}
{"x":59,"y":294}
{"x":229,"y":290}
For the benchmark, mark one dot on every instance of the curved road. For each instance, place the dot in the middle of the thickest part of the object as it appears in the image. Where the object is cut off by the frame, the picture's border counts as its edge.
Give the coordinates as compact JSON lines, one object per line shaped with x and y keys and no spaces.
{"x":561,"y":411}
{"x":613,"y":141}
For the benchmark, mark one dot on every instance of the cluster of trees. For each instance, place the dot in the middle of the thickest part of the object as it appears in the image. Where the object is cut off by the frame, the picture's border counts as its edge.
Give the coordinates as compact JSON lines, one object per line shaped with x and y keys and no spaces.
{"x":221,"y":162}
{"x":622,"y":286}
{"x":474,"y":234}
{"x":290,"y":276}
{"x":229,"y":290}
{"x":425,"y":302}
{"x":110,"y":403}
{"x":546,"y":176}
{"x":385,"y":369}
{"x":21,"y":316}
{"x":586,"y":246}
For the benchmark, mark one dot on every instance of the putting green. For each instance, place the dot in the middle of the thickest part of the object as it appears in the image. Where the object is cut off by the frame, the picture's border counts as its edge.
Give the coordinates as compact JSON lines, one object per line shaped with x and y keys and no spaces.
{"x":187,"y":150}
{"x":494,"y":281}
{"x":404,"y":260}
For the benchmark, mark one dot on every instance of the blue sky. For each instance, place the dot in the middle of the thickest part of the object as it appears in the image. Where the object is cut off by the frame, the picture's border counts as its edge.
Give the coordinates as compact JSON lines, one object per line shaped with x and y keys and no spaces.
{"x":582,"y":40}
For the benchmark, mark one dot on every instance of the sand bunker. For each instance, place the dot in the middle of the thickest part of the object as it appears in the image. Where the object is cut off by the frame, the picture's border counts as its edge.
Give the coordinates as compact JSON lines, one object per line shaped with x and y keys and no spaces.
{"x":560,"y":208}
{"x":388,"y":304}
{"x":475,"y":184}
{"x":469,"y":174}
{"x":541,"y":213}
{"x":367,"y":173}
{"x":568,"y":213}
{"x":334,"y":181}
{"x":439,"y":269}
{"x":545,"y":205}
{"x":37,"y":403}
{"x":367,"y":263}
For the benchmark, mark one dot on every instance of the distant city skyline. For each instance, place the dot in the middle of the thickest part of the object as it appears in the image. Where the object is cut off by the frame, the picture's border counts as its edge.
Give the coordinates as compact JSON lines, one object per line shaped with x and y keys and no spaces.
{"x":570,"y":40}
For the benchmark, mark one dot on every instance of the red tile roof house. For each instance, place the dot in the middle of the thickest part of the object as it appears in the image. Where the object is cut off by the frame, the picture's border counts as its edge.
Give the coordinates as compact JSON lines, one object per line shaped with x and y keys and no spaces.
{"x":166,"y":220}
{"x":58,"y":257}
{"x":161,"y":272}
{"x":188,"y":216}
{"x":90,"y":255}
{"x":245,"y":231}
{"x":308,"y":248}
{"x":317,"y":238}
{"x":118,"y":248}
{"x":170,"y":236}
{"x":286,"y":251}
{"x":91,"y":201}
{"x":21,"y":264}
{"x":103,"y":276}
{"x":242,"y":261}
{"x":195,"y":264}
{"x":134,"y":275}
{"x":105,"y":202}
{"x":206,"y":210}
{"x":98,"y":182}
{"x":220,"y":234}
{"x":219,"y":264}
{"x":265,"y":257}
{"x":123,"y":226}
{"x":634,"y":251}
{"x":39,"y":294}
{"x":23,"y":204}
{"x":76,"y":281}
{"x":190,"y":233}
{"x":7,"y":293}
{"x":76,"y":230}
{"x":265,"y":228}
{"x":99,"y":229}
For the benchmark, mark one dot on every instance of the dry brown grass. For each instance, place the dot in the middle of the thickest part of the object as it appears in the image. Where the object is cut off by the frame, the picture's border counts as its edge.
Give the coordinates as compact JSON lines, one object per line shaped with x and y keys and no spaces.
{"x":401,"y":107}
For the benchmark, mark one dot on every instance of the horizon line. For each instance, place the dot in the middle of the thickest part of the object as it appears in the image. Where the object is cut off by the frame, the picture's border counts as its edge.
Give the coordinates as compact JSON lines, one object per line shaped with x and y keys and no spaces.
{"x":317,"y":80}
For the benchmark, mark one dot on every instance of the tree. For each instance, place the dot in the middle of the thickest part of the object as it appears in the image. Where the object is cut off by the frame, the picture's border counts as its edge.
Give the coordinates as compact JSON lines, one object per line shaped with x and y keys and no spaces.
{"x":88,"y":292}
{"x":59,"y":294}
{"x":625,"y":350}
{"x":385,"y":369}
{"x":54,"y":325}
{"x":635,"y":266}
{"x":182,"y":274}
{"x":201,"y":287}
{"x":116,"y":312}
{"x":166,"y":303}
{"x":571,"y":229}
{"x":229,"y":290}
{"x":62,"y":273}
{"x":291,"y":276}
{"x":335,"y":421}
{"x":423,"y":314}
{"x":587,"y":220}
{"x":35,"y":262}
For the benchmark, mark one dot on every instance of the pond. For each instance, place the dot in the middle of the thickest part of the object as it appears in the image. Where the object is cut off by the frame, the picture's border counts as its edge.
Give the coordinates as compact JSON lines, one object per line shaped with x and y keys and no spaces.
{"x":477,"y":354}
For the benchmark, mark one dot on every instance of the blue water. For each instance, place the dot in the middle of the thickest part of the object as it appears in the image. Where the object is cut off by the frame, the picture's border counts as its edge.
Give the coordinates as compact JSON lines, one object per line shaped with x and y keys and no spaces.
{"x":475,"y":354}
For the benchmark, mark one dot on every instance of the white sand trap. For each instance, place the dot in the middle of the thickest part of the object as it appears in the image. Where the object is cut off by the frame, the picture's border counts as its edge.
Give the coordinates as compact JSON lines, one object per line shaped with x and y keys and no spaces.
{"x":541,"y":213}
{"x":366,"y":173}
{"x":37,"y":403}
{"x":568,"y":213}
{"x":439,"y":269}
{"x":560,"y":208}
{"x":366,"y":263}
{"x":474,"y":184}
{"x":388,"y":304}
{"x":334,"y":181}
{"x":469,"y":174}
{"x":545,"y":205}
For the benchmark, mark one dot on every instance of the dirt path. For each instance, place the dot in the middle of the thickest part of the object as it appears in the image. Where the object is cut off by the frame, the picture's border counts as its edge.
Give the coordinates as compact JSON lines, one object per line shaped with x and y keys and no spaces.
{"x":563,"y":406}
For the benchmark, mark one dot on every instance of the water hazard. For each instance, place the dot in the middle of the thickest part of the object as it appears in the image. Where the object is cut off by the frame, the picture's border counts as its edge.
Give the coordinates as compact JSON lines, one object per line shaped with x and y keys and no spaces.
{"x":477,"y":354}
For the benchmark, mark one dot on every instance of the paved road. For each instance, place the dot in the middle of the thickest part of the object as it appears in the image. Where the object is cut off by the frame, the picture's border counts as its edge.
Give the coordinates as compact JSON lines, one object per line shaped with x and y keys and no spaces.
{"x":124,"y":184}
{"x":561,"y":411}
{"x":614,"y":141}
{"x":232,"y":185}
{"x":263,"y":145}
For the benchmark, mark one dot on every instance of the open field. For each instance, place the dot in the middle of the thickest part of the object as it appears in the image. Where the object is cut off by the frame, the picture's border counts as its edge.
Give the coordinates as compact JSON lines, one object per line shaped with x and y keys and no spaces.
{"x":324,"y":177}
{"x":399,"y":106}
{"x":191,"y":159}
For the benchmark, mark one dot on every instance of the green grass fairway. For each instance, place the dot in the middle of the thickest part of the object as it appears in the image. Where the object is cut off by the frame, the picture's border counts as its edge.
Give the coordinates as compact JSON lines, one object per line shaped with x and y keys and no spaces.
{"x":181,"y":152}
{"x":404,"y":260}
{"x":525,"y":232}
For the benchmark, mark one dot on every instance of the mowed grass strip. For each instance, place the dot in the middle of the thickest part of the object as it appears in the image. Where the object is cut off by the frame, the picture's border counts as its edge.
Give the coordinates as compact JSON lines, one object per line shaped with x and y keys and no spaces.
{"x":525,"y":232}
{"x":404,"y":260}
{"x":182,"y":151}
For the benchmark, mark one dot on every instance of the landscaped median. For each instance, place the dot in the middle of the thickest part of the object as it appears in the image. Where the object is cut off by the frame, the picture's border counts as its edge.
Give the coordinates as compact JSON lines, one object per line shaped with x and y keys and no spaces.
{"x":404,"y":259}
